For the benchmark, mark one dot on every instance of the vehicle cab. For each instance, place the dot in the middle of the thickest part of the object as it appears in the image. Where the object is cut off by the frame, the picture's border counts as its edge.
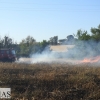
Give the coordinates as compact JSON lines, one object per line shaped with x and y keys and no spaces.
{"x":7,"y":55}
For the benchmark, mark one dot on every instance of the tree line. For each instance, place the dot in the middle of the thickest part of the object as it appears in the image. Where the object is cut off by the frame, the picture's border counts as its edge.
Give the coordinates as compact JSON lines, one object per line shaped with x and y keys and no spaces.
{"x":84,"y":35}
{"x":30,"y":45}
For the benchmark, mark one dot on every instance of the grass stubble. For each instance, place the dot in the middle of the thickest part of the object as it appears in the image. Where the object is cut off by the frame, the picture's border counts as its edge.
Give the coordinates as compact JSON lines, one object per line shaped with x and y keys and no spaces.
{"x":51,"y":81}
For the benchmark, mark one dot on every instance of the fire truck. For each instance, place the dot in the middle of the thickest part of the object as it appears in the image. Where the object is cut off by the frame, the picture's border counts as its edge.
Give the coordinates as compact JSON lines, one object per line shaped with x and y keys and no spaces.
{"x":7,"y":55}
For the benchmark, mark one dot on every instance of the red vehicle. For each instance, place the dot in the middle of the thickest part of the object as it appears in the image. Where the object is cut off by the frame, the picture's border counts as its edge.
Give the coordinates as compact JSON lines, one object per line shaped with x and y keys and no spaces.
{"x":7,"y":55}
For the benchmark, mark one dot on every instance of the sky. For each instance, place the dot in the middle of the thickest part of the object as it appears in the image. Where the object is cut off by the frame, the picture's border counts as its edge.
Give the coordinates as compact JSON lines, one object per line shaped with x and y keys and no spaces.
{"x":43,"y":19}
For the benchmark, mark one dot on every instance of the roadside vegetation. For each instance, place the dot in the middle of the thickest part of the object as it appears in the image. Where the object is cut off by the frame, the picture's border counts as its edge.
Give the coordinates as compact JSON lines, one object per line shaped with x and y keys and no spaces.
{"x":43,"y":81}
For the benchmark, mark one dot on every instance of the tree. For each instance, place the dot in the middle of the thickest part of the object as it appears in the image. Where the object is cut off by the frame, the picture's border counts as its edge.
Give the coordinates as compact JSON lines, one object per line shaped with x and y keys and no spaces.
{"x":6,"y":42}
{"x":83,"y":35}
{"x":53,"y":40}
{"x":96,"y":33}
{"x":44,"y":43}
{"x":26,"y":46}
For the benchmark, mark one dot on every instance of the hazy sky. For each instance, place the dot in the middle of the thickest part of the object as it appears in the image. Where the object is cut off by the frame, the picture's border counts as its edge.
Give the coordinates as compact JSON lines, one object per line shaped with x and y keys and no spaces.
{"x":43,"y":19}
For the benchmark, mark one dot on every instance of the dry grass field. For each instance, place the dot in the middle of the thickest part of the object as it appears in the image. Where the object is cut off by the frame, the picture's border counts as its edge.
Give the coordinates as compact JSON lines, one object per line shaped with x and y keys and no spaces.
{"x":51,"y":81}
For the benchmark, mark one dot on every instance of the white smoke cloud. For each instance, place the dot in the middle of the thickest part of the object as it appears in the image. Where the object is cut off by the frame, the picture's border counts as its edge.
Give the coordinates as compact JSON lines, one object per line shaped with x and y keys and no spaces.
{"x":50,"y":56}
{"x":73,"y":55}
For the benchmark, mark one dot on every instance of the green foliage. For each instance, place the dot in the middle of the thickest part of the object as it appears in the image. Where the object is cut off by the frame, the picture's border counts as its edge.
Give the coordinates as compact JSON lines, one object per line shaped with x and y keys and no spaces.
{"x":26,"y":46}
{"x":96,"y":33}
{"x":6,"y":42}
{"x":83,"y":35}
{"x":53,"y":40}
{"x":44,"y":43}
{"x":30,"y":46}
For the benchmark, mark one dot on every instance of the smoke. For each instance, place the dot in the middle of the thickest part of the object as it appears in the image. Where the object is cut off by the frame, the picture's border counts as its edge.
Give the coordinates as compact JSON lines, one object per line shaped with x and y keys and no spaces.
{"x":45,"y":56}
{"x":82,"y":51}
{"x":24,"y":60}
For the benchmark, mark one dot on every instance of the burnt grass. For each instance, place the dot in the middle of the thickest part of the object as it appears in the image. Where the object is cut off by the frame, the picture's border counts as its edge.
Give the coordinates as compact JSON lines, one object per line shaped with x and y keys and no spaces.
{"x":53,"y":81}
